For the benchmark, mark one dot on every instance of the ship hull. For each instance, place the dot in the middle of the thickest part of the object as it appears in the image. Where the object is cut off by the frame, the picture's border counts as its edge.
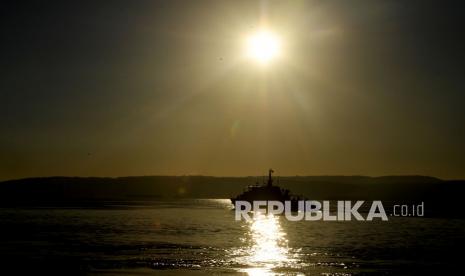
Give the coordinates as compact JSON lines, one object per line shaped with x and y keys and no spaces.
{"x":294,"y":203}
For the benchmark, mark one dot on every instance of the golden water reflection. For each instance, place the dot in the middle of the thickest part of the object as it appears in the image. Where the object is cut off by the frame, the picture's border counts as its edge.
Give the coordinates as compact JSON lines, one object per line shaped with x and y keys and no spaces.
{"x":267,"y":246}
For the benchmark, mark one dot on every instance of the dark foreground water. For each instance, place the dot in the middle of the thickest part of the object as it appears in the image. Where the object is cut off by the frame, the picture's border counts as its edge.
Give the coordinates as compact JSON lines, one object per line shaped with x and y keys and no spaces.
{"x":202,"y":237}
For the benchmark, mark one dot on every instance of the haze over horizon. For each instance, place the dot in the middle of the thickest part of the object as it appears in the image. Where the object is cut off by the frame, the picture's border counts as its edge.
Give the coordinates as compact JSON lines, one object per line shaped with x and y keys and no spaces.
{"x":115,"y":88}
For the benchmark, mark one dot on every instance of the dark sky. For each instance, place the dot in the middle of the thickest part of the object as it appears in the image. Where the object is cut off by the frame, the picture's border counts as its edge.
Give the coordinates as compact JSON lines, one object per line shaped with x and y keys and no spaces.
{"x":111,"y":88}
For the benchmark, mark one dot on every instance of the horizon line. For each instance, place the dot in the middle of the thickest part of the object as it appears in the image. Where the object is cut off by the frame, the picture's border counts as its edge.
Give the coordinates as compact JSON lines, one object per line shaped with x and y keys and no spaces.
{"x":228,"y":176}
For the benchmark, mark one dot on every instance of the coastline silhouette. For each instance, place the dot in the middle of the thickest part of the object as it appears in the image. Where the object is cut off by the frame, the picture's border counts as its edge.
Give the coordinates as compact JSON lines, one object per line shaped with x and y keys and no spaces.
{"x":442,"y":197}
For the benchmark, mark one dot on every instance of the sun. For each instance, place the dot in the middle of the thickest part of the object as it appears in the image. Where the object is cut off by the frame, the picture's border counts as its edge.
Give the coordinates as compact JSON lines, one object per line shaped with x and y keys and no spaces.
{"x":263,"y":46}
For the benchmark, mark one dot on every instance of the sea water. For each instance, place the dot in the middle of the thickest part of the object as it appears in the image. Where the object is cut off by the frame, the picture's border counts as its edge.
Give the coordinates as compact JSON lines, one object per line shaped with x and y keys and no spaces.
{"x":198,"y":236}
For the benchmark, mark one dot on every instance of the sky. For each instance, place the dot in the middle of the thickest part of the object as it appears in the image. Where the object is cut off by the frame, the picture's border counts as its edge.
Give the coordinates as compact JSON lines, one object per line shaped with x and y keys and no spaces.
{"x":117,"y":88}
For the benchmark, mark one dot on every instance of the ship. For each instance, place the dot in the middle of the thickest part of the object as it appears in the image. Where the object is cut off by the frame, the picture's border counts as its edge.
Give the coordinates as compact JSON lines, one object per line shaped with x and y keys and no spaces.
{"x":268,"y":192}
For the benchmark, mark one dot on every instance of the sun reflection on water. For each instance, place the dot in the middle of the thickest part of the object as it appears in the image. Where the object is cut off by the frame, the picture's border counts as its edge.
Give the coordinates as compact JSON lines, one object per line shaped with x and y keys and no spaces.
{"x":267,"y":246}
{"x":270,"y":244}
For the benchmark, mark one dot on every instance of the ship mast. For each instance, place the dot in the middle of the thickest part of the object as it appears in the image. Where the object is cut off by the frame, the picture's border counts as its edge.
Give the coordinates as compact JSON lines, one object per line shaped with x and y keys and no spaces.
{"x":270,"y":180}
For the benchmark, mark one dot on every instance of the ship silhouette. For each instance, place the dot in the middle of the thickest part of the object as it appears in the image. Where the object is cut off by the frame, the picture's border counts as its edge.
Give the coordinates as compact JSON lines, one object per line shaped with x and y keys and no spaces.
{"x":268,"y":192}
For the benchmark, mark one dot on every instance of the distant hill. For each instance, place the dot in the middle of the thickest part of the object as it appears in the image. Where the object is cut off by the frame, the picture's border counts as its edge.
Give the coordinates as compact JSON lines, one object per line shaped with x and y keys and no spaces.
{"x":75,"y":189}
{"x":442,"y":198}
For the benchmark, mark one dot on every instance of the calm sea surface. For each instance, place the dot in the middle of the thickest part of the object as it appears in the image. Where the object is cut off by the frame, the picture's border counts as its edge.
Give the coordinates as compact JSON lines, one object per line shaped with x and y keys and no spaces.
{"x":201,"y":236}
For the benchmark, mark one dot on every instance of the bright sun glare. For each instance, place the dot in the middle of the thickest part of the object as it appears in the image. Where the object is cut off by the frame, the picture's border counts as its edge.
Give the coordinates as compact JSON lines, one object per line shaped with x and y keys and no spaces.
{"x":263,"y":46}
